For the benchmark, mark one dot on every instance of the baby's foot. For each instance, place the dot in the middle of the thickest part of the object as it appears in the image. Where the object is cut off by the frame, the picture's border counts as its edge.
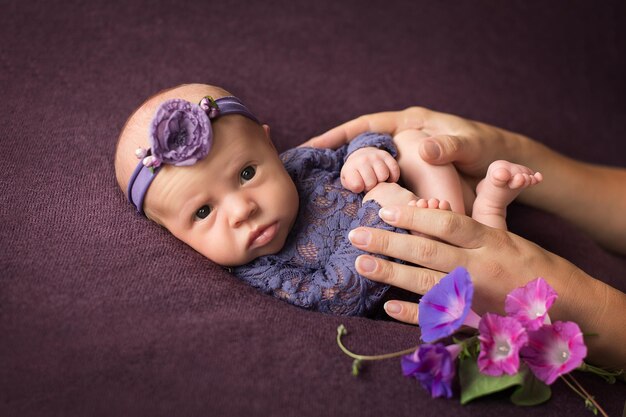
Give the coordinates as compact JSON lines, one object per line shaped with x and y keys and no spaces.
{"x":504,"y":182}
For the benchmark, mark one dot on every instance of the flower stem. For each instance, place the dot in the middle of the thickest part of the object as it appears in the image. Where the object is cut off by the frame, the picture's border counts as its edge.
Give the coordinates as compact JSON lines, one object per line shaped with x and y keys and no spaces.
{"x":341,"y":331}
{"x":569,"y":384}
{"x":606,"y":374}
{"x":583,"y":393}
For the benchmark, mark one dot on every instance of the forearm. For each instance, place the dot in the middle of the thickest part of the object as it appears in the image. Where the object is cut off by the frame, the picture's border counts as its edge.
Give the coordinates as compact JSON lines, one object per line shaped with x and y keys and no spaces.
{"x":591,"y":196}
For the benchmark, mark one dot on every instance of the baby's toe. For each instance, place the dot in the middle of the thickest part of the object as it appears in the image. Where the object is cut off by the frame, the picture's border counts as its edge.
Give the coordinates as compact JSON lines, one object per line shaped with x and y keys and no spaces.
{"x":433,"y":203}
{"x":500,"y":177}
{"x":519,"y":180}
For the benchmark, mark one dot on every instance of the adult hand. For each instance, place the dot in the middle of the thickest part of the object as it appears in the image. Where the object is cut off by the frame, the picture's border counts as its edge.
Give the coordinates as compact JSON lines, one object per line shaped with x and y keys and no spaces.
{"x":470,"y":145}
{"x":498,"y":261}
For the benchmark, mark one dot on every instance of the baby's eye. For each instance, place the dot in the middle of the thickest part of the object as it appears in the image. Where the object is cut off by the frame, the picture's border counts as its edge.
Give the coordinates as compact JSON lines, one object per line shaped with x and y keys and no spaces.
{"x":247,"y":173}
{"x":203,"y":212}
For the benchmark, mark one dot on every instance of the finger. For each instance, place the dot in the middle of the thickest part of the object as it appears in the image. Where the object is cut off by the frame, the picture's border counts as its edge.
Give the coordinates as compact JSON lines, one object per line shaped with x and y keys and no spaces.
{"x":403,"y":311}
{"x":352,"y":181}
{"x":368,"y":176}
{"x":384,"y":122}
{"x":394,"y":168}
{"x":455,"y":228}
{"x":381,"y":170}
{"x":341,"y":134}
{"x":418,"y":250}
{"x":409,"y":277}
{"x":444,"y":149}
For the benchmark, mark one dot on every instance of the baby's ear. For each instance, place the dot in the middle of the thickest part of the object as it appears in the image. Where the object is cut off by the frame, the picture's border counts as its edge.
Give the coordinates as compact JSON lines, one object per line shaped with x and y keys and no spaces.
{"x":266,"y":128}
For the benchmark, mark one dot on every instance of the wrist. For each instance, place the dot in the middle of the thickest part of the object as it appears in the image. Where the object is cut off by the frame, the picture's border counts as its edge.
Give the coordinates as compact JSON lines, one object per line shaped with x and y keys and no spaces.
{"x":598,"y":310}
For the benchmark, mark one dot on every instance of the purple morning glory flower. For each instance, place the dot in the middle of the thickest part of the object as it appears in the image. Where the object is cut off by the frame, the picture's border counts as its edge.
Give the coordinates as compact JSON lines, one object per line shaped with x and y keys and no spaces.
{"x":180,"y":133}
{"x":554,"y":350}
{"x":447,"y":306}
{"x":433,"y":366}
{"x":500,"y":341}
{"x":530,"y":303}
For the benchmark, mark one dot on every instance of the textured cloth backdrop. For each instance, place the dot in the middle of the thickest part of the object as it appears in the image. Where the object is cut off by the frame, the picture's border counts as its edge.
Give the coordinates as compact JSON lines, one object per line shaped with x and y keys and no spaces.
{"x":103,"y":314}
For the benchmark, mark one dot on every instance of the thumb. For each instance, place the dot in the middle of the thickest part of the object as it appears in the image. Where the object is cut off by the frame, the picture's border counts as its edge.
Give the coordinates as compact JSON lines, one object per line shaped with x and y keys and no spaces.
{"x":442,"y":149}
{"x":402,"y":310}
{"x":331,"y":139}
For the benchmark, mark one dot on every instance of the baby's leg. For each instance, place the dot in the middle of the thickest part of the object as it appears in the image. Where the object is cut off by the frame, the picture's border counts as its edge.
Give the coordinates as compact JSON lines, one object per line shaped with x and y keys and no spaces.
{"x":504,"y":182}
{"x":430,"y":181}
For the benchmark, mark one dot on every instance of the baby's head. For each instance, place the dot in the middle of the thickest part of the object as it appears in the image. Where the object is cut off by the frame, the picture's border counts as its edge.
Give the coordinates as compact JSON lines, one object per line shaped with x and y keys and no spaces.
{"x":220,"y":186}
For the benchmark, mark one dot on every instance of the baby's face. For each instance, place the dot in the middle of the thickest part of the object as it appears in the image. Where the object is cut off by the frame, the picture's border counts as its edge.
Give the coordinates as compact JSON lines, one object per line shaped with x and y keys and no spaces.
{"x":235,"y":205}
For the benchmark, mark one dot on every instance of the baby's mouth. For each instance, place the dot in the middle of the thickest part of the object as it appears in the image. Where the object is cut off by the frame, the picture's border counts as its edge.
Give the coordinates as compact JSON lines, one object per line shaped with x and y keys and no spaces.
{"x":262,"y":235}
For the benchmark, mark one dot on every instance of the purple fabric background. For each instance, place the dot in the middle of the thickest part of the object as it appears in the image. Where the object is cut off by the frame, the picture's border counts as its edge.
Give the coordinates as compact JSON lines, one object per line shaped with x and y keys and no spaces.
{"x":104,"y":314}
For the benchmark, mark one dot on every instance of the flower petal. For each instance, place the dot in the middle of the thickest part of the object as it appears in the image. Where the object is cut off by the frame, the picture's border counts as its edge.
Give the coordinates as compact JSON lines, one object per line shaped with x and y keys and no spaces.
{"x":444,"y":308}
{"x":433,"y":365}
{"x":530,"y":303}
{"x":501,"y":338}
{"x":554,"y":350}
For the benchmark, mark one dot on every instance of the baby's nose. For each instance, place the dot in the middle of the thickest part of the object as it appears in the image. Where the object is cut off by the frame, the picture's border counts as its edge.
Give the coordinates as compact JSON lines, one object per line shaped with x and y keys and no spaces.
{"x":241,"y":209}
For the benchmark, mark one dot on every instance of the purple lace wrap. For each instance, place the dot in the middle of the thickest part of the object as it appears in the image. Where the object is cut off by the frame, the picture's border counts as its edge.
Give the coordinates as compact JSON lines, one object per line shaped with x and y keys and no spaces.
{"x":315,"y":269}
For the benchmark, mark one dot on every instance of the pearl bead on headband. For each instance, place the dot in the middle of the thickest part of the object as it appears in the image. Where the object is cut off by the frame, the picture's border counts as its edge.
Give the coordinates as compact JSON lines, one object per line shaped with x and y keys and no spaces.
{"x":180,"y":135}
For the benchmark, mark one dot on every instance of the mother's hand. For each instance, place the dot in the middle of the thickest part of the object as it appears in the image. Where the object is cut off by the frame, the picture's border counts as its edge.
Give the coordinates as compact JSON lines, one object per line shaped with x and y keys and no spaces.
{"x":470,"y":145}
{"x":497,"y":260}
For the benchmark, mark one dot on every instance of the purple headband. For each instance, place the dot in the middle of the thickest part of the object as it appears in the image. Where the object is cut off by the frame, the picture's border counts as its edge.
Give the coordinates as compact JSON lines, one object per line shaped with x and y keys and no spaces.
{"x":180,"y":135}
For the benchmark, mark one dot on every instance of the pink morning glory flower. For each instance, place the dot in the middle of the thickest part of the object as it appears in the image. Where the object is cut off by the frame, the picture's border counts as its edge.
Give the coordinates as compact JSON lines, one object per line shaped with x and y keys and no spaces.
{"x":530,"y":303}
{"x":554,"y":350}
{"x":500,"y":341}
{"x":433,"y":366}
{"x":447,"y":306}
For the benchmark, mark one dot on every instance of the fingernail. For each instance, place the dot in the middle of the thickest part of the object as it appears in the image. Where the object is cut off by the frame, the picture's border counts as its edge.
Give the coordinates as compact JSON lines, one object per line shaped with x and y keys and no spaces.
{"x":388,"y":214}
{"x":392,"y":308}
{"x":360,"y":237}
{"x":366,"y":263}
{"x":431,"y":149}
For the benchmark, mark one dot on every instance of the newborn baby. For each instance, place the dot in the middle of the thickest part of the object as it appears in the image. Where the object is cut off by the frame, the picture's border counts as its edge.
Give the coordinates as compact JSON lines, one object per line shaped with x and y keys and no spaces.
{"x":210,"y":174}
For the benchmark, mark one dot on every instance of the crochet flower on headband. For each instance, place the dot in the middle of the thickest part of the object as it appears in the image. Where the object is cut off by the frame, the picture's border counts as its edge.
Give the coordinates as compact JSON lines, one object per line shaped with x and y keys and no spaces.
{"x":180,"y":133}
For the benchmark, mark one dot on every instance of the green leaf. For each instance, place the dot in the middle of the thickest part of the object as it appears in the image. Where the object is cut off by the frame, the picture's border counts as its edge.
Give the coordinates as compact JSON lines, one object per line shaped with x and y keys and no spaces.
{"x":475,"y":385}
{"x":591,"y":407}
{"x":532,"y":391}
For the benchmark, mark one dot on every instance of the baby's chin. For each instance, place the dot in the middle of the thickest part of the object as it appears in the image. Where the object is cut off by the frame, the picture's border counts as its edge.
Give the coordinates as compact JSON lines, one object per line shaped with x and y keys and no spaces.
{"x":232,"y":262}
